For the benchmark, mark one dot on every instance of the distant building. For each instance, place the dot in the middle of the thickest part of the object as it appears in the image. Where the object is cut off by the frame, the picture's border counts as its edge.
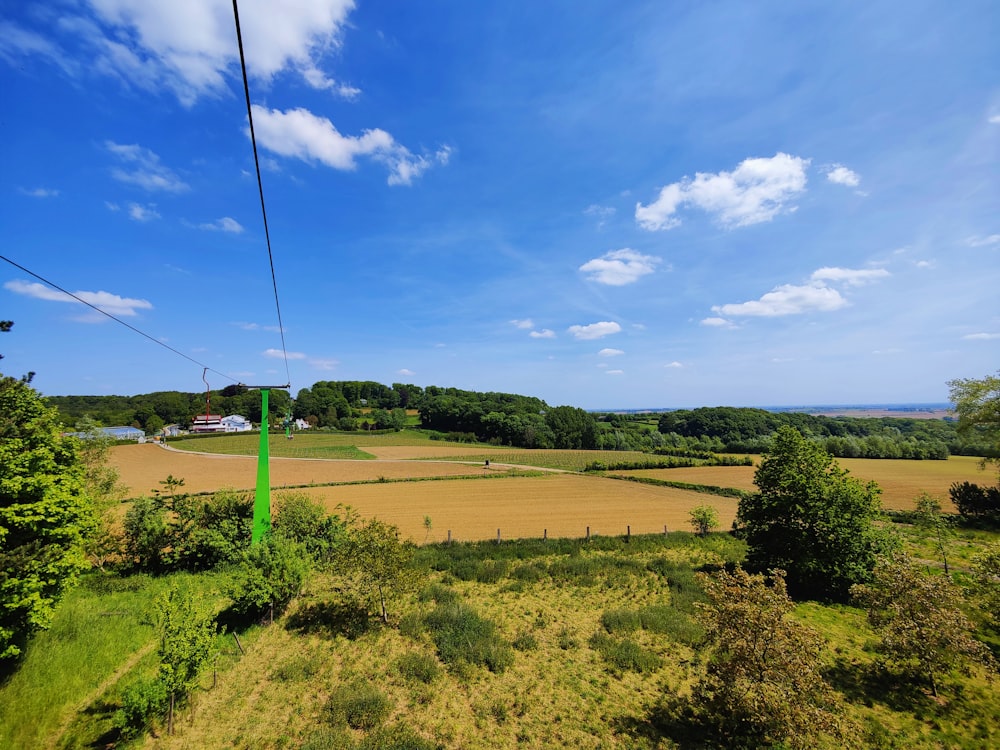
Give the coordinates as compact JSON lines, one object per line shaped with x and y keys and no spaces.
{"x":236,"y":423}
{"x":208,"y":423}
{"x":171,"y":430}
{"x":301,"y":424}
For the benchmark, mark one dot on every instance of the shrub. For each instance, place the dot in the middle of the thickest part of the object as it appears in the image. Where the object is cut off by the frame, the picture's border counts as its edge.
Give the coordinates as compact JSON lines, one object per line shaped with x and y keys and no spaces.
{"x":359,"y":705}
{"x":525,"y":641}
{"x":142,"y":702}
{"x":298,"y":669}
{"x":398,"y":737}
{"x":269,"y":577}
{"x":620,"y":620}
{"x":530,"y":572}
{"x":492,"y":571}
{"x":417,"y":666}
{"x":624,"y":655}
{"x":666,"y":620}
{"x":300,"y":519}
{"x":461,"y":635}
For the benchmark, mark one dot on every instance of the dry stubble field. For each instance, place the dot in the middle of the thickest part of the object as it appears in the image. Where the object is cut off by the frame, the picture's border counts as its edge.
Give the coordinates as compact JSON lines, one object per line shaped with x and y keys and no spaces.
{"x":560,"y":504}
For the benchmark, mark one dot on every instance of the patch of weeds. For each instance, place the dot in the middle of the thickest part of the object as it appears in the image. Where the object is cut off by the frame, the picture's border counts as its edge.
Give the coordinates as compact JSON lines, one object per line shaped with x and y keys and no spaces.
{"x":346,"y":617}
{"x":326,"y":738}
{"x":525,"y":641}
{"x":358,"y":704}
{"x":624,"y":655}
{"x":396,"y":737}
{"x":296,"y":669}
{"x":665,"y":619}
{"x":438,"y":593}
{"x":411,"y":625}
{"x":566,"y":640}
{"x":620,"y":621}
{"x":142,"y":703}
{"x":461,"y":635}
{"x":492,"y":571}
{"x":530,"y":572}
{"x":418,"y":666}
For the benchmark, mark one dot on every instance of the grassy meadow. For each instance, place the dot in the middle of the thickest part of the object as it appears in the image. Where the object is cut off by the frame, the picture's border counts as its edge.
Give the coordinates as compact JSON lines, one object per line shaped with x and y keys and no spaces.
{"x":577,"y":642}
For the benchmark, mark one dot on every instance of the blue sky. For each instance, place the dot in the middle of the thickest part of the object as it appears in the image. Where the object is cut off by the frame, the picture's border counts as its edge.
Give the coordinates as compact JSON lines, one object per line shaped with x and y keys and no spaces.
{"x":602,"y":204}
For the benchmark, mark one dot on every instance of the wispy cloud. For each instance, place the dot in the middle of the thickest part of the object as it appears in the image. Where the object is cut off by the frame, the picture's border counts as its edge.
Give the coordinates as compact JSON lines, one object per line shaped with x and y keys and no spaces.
{"x":594,"y":330}
{"x":981,"y":336}
{"x":850,"y":276}
{"x":405,"y":372}
{"x":673,"y":365}
{"x":601,"y":213}
{"x":610,"y":353}
{"x":988,"y":241}
{"x":257,"y":327}
{"x":300,"y":134}
{"x":112,"y":304}
{"x":545,"y":333}
{"x":620,"y":267}
{"x":144,"y":169}
{"x":225,"y":224}
{"x":524,"y":323}
{"x":39,"y":192}
{"x":279,"y":354}
{"x":756,"y":191}
{"x":138,"y":212}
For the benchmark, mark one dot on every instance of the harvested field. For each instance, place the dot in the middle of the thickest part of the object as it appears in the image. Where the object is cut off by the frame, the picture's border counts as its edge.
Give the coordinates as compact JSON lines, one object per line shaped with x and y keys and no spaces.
{"x":901,"y":481}
{"x":565,"y":504}
{"x":143,"y":467}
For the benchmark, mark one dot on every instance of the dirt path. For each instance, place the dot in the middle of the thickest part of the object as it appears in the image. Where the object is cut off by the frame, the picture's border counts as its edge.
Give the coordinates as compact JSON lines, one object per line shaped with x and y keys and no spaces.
{"x":97,"y":692}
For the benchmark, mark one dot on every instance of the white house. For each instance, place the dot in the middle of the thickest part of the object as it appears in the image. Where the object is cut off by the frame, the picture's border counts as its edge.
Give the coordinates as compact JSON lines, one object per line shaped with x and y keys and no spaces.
{"x":208,"y":423}
{"x":236,"y":423}
{"x":301,"y":424}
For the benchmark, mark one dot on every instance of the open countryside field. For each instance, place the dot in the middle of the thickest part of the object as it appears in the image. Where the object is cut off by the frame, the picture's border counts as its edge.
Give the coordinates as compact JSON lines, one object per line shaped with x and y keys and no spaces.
{"x":901,"y":481}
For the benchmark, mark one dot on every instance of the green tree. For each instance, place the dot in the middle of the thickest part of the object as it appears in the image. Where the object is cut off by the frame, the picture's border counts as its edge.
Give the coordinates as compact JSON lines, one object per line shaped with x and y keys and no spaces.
{"x":977,"y":402}
{"x":704,"y":518}
{"x":187,"y":634}
{"x":986,"y":582}
{"x":572,"y":427}
{"x":763,"y":684}
{"x":269,"y":577}
{"x":812,"y":520}
{"x":924,"y":632}
{"x":45,"y":514}
{"x":932,"y":523}
{"x":378,"y":561}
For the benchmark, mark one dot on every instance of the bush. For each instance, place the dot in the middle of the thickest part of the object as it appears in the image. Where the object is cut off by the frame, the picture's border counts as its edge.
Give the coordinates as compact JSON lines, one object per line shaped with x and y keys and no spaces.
{"x":142,"y":702}
{"x":666,"y":620}
{"x":301,"y":520}
{"x":625,"y":655}
{"x":269,"y":577}
{"x":492,"y":571}
{"x":976,"y":502}
{"x":530,"y":572}
{"x":462,"y":636}
{"x":525,"y":641}
{"x":417,"y":666}
{"x":398,"y":737}
{"x":359,"y":705}
{"x":620,"y":620}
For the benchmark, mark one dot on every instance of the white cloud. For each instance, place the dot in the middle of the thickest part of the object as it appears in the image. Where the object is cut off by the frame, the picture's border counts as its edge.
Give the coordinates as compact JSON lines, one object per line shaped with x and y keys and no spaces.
{"x":258,"y":327}
{"x":106,"y":301}
{"x":673,"y":365}
{"x":849,"y":276}
{"x":977,"y":241}
{"x":615,"y":372}
{"x":300,"y":134}
{"x":619,"y":267}
{"x":715,"y":322}
{"x":279,"y":354}
{"x":994,"y":119}
{"x":144,"y":170}
{"x":787,"y":299}
{"x":841,"y":175}
{"x":39,"y":192}
{"x":405,"y":372}
{"x":525,"y":323}
{"x":601,"y":213}
{"x":545,"y":333}
{"x":981,"y":336}
{"x":756,"y":191}
{"x":138,"y":212}
{"x":323,"y":364}
{"x":924,"y":264}
{"x":225,"y":224}
{"x":610,"y":353}
{"x":594,"y":330}
{"x":187,"y":47}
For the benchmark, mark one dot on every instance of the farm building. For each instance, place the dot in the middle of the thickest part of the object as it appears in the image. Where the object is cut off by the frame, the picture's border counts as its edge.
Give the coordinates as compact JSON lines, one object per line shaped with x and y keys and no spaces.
{"x":218,"y":423}
{"x":237,"y":423}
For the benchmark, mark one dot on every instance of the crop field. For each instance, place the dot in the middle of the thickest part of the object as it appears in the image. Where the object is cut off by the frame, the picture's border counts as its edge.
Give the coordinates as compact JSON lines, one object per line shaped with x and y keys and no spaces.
{"x":901,"y":481}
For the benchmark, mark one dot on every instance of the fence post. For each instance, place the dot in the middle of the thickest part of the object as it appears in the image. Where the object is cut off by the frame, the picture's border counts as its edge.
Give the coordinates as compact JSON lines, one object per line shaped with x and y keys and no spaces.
{"x":628,"y":534}
{"x":498,"y":536}
{"x":449,"y":535}
{"x":664,"y":529}
{"x":588,"y":533}
{"x":545,"y":535}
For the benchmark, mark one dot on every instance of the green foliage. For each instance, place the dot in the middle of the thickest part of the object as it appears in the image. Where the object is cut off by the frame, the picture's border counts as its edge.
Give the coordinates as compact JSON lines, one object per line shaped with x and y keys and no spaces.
{"x":624,"y":655}
{"x":270,"y":576}
{"x":812,"y":520}
{"x":300,"y":519}
{"x":933,"y":524}
{"x":704,"y":519}
{"x":670,"y":621}
{"x":925,"y":634}
{"x":45,"y":515}
{"x":977,"y":402}
{"x":142,"y":703}
{"x":763,"y":684}
{"x":976,"y":502}
{"x":620,"y":621}
{"x":572,"y":428}
{"x":378,"y":561}
{"x":414,"y":665}
{"x":186,"y":638}
{"x":359,"y":705}
{"x":464,"y":637}
{"x":986,"y":582}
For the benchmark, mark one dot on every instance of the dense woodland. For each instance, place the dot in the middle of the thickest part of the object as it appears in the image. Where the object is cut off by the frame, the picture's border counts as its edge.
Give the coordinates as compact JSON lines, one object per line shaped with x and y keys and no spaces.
{"x":528,"y":422}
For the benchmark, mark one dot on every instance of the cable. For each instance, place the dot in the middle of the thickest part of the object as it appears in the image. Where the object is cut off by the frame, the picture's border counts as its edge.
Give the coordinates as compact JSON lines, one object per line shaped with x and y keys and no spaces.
{"x":117,"y":320}
{"x":260,"y":186}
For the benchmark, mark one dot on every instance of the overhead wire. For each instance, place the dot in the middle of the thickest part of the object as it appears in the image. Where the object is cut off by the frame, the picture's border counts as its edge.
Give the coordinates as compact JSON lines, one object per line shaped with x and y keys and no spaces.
{"x":114,"y":318}
{"x":260,"y":187}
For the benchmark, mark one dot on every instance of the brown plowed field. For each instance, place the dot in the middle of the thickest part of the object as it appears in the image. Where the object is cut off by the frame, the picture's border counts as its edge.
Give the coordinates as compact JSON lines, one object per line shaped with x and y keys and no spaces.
{"x":563,"y":504}
{"x":901,"y":481}
{"x":143,"y":467}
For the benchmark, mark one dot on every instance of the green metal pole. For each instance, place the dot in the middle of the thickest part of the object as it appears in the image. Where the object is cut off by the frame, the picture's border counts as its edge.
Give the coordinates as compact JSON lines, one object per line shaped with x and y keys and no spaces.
{"x":262,"y":499}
